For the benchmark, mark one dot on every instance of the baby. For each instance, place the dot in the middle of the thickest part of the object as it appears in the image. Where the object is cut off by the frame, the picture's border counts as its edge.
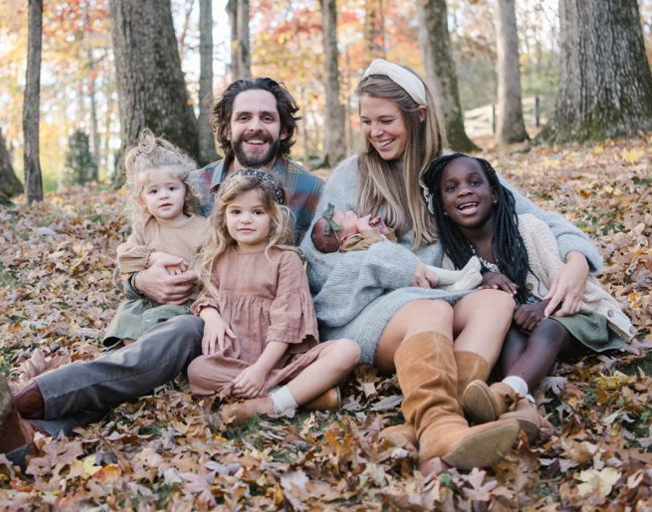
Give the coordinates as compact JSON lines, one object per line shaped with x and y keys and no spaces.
{"x":338,"y":231}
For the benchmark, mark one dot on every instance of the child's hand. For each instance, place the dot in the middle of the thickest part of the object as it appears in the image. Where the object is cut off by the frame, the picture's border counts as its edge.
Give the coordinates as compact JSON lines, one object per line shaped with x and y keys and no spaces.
{"x":176,"y":270}
{"x":250,"y":381}
{"x":498,"y":281}
{"x":528,"y":316}
{"x":216,"y":332}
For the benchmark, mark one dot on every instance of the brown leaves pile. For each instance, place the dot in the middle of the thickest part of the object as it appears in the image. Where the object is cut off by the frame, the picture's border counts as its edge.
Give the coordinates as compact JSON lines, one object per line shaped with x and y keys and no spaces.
{"x":157,"y":452}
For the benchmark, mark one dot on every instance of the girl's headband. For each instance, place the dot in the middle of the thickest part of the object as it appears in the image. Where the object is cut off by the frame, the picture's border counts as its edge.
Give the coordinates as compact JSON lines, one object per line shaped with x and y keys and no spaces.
{"x":266,"y":179}
{"x":405,"y":79}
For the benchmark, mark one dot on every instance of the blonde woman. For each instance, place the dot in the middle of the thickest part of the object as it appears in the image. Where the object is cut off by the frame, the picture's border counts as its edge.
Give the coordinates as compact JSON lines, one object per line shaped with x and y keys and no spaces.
{"x":436,"y":341}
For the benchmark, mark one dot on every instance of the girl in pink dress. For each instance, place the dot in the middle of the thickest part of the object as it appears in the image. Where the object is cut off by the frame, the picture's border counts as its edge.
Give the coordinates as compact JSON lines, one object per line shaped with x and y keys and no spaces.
{"x":261,"y":341}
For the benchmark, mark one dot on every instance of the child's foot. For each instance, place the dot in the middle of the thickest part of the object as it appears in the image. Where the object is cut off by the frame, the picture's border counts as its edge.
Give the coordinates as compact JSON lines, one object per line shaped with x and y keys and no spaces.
{"x":241,"y":412}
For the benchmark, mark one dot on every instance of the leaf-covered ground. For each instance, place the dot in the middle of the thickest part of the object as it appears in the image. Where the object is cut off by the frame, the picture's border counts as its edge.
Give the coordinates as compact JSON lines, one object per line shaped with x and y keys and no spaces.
{"x":157,"y":452}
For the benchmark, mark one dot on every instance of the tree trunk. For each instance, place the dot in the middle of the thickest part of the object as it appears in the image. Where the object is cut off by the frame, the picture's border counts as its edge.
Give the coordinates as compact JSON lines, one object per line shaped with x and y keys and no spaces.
{"x":372,"y":35}
{"x":151,"y":86}
{"x":10,"y":185}
{"x":605,"y":86}
{"x":95,"y":136}
{"x":31,"y":104}
{"x":238,"y":11}
{"x":510,"y":127}
{"x":334,"y":143}
{"x":436,"y":53}
{"x":207,"y":152}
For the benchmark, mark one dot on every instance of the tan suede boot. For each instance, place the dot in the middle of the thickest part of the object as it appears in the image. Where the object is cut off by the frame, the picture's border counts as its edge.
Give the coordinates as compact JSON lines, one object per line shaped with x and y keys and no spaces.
{"x":470,"y":367}
{"x":483,"y":403}
{"x":427,"y":373}
{"x":529,"y":419}
{"x":401,"y":436}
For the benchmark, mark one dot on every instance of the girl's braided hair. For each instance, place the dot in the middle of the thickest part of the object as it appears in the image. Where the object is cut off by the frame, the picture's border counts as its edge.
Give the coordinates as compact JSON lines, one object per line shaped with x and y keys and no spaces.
{"x":507,"y":244}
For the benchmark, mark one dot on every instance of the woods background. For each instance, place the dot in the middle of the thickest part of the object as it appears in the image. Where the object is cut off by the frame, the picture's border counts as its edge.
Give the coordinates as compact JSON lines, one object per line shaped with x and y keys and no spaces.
{"x":480,"y":58}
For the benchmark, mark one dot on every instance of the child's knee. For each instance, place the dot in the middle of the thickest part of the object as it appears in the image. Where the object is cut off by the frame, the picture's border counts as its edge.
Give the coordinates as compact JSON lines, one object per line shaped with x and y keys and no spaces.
{"x":199,"y":372}
{"x":346,"y":354}
{"x":548,"y":333}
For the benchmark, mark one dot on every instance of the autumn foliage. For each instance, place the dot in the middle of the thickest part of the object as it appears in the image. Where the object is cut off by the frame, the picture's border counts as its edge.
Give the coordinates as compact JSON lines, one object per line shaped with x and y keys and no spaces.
{"x":56,"y":295}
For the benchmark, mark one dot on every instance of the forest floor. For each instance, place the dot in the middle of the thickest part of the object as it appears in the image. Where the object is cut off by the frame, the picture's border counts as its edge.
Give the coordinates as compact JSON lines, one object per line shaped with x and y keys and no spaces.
{"x":157,"y":452}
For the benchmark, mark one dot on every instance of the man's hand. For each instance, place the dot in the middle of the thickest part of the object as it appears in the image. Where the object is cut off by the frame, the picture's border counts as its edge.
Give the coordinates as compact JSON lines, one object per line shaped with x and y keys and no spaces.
{"x":498,"y":281}
{"x":159,"y":285}
{"x":216,"y":332}
{"x":568,"y":287}
{"x":249,"y":382}
{"x":527,"y":316}
{"x":424,"y":277}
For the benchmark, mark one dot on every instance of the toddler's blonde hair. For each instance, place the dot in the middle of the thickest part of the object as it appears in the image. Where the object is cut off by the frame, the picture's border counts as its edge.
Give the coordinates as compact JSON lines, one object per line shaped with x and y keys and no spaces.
{"x":153,"y":154}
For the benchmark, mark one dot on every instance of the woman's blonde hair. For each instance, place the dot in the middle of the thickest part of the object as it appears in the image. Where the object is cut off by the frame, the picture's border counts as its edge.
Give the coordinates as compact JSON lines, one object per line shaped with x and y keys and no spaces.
{"x":391,"y":188}
{"x":153,"y":154}
{"x":281,"y":232}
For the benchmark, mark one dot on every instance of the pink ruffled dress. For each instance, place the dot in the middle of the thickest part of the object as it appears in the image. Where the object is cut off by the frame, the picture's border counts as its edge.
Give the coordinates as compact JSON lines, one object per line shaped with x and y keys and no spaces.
{"x":262,"y":298}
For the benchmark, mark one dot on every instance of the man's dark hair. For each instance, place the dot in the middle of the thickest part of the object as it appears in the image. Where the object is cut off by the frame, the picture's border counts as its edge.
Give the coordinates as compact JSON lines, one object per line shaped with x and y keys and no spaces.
{"x":508,"y":246}
{"x":223,"y":109}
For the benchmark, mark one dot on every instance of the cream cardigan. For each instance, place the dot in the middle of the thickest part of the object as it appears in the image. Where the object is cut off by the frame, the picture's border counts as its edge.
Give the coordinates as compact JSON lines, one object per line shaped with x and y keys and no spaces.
{"x":545,"y":263}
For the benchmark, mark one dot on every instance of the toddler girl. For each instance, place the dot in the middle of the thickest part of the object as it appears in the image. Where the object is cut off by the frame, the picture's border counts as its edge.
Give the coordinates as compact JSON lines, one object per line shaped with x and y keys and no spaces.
{"x":162,"y":202}
{"x":260,"y":326}
{"x":345,"y":231}
{"x":475,"y":215}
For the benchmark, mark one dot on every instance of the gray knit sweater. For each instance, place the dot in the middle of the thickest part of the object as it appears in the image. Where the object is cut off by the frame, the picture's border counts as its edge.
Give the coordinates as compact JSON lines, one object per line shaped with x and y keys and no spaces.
{"x":356,"y":293}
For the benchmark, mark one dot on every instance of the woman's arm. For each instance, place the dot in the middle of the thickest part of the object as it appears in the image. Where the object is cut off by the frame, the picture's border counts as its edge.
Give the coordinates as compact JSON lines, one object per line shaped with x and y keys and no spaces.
{"x":577,"y":251}
{"x":569,"y":237}
{"x":545,"y":262}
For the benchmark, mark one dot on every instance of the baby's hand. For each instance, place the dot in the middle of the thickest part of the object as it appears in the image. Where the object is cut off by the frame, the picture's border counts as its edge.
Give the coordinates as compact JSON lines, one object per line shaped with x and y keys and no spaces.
{"x":175,"y":270}
{"x":498,"y":281}
{"x":528,"y":316}
{"x":249,"y":382}
{"x":363,"y":223}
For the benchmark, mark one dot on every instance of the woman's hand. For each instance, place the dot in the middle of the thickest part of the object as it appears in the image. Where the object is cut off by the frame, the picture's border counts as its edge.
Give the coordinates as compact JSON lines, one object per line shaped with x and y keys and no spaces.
{"x":568,"y":287}
{"x":527,"y":316}
{"x":498,"y":281}
{"x":250,"y":381}
{"x":424,"y":277}
{"x":216,"y":332}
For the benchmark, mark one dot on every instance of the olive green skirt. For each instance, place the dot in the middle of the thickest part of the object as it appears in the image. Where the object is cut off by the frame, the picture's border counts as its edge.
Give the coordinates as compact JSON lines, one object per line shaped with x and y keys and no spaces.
{"x":135,"y":317}
{"x":592,"y":330}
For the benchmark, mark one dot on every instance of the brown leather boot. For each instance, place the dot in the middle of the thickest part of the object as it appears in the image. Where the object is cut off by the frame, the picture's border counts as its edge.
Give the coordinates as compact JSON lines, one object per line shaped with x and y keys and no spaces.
{"x":529,"y":419}
{"x":401,"y":436}
{"x":29,"y":402}
{"x":329,"y":400}
{"x":483,"y":403}
{"x":427,"y":373}
{"x":16,"y":434}
{"x":470,"y":367}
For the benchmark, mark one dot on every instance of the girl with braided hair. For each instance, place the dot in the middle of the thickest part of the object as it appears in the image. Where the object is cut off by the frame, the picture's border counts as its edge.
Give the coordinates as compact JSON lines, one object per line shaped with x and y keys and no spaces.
{"x":476,"y":216}
{"x":260,"y":341}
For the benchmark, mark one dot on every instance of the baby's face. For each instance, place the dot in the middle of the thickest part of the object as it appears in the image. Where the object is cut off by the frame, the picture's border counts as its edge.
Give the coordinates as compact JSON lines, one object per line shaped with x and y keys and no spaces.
{"x":348,"y":222}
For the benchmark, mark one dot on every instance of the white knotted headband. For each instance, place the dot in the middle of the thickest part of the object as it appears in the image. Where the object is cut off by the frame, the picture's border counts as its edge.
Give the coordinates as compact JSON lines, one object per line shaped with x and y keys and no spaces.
{"x":405,"y":79}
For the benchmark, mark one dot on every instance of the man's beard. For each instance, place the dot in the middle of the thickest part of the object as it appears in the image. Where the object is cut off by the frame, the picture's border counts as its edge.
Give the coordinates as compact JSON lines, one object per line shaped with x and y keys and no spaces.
{"x":256,"y":160}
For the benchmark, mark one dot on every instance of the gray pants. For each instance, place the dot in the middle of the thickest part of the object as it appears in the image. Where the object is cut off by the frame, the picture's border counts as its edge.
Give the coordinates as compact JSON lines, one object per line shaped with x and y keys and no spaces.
{"x":83,"y":392}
